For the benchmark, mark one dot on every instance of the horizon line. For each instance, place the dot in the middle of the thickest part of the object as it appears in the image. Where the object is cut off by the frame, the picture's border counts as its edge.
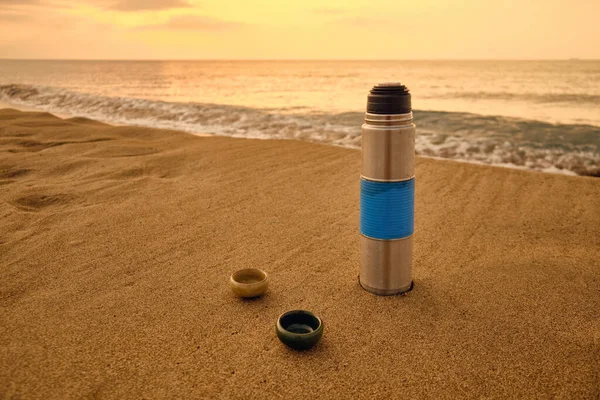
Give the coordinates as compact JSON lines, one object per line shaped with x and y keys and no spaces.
{"x":301,"y":59}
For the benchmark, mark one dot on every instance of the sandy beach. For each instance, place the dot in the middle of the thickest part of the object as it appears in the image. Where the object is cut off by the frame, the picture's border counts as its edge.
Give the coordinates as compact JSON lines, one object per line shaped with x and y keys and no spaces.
{"x":116,"y":246}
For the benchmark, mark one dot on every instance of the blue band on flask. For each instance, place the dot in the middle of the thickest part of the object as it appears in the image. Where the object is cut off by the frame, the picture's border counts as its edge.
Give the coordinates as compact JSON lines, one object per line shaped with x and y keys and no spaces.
{"x":387,"y":209}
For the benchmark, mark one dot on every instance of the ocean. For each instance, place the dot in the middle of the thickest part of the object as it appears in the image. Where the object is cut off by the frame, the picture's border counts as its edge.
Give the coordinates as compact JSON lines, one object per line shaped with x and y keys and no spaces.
{"x":535,"y":115}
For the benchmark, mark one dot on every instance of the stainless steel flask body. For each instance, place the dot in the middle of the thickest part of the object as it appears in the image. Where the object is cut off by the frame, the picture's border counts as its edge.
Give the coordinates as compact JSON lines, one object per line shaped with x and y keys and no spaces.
{"x":387,"y":198}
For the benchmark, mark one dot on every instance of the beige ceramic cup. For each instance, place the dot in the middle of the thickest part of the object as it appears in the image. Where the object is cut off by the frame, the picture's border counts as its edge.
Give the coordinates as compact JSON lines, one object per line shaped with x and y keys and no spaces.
{"x":249,"y":282}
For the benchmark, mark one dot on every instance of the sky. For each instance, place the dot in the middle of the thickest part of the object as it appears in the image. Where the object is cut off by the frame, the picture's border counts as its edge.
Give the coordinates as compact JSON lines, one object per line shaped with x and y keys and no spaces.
{"x":293,"y":29}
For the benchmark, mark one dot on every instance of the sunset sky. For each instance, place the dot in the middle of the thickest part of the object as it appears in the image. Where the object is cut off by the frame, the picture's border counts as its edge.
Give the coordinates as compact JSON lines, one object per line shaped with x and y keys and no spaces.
{"x":299,"y":29}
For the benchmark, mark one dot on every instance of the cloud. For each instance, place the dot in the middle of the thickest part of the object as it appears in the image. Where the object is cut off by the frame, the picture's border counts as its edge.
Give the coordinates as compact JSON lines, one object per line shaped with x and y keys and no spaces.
{"x":14,"y":16}
{"x":194,"y":23}
{"x":145,"y":5}
{"x":33,"y":5}
{"x":20,"y":10}
{"x":31,"y":22}
{"x":18,"y":2}
{"x":13,"y":5}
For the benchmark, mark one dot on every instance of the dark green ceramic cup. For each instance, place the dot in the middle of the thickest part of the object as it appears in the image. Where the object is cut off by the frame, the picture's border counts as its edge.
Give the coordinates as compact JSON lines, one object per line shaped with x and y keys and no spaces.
{"x":299,"y":329}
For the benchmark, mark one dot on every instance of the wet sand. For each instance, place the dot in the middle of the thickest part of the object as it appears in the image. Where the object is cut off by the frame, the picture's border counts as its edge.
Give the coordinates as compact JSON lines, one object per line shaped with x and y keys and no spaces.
{"x":116,"y":245}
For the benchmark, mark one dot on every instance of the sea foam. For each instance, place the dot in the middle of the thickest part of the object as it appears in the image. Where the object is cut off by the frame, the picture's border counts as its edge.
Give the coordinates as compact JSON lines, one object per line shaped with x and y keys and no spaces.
{"x":504,"y":141}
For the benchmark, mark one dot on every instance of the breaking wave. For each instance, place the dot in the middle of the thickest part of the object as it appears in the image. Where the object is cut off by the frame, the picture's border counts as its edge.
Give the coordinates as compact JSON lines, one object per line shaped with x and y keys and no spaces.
{"x":574,"y":99}
{"x":513,"y":142}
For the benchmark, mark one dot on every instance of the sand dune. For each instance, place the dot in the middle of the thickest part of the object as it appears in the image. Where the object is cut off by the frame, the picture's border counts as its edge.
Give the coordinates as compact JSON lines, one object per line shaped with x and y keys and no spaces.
{"x":116,"y":244}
